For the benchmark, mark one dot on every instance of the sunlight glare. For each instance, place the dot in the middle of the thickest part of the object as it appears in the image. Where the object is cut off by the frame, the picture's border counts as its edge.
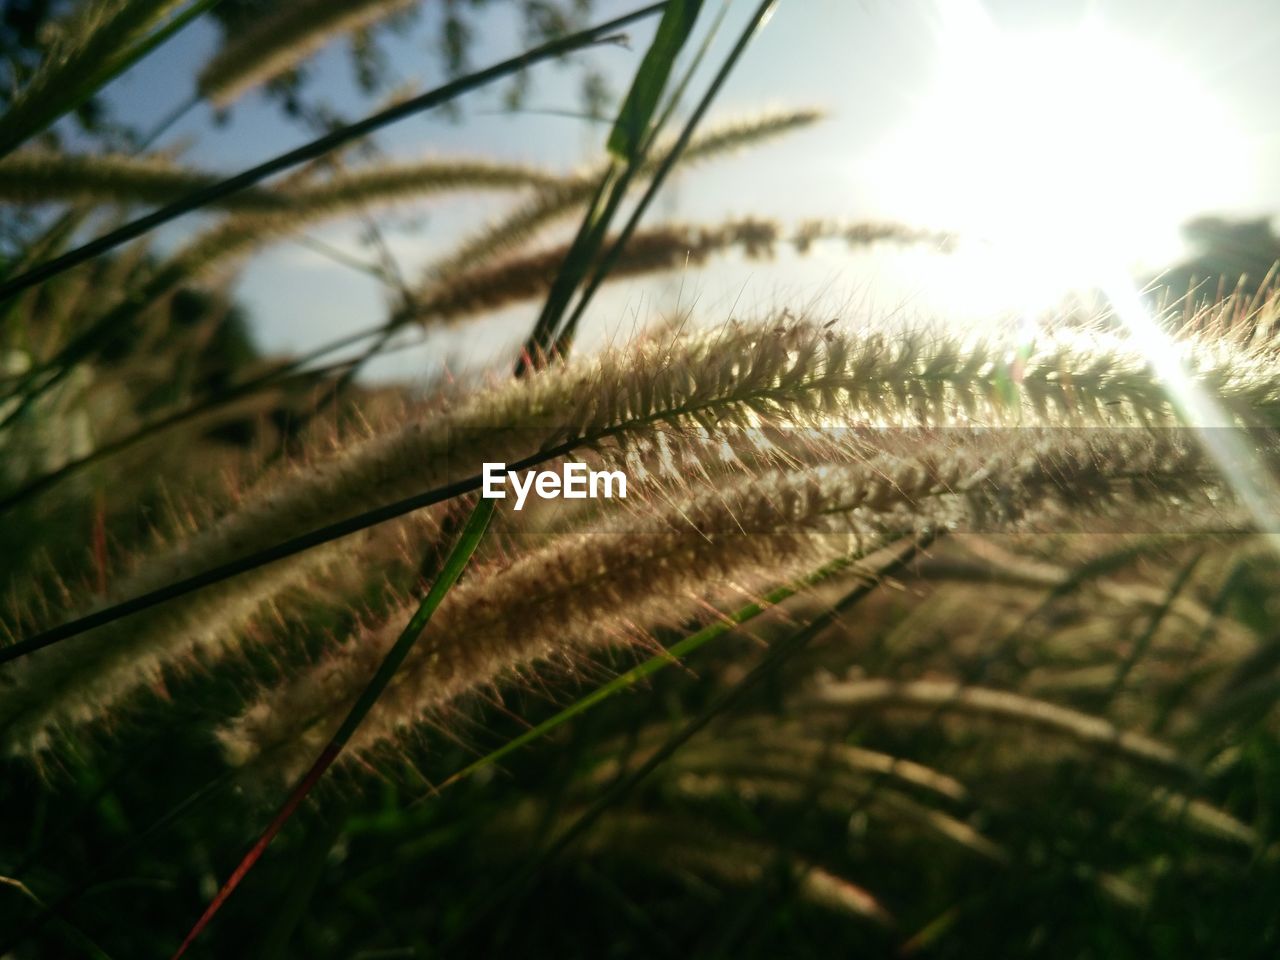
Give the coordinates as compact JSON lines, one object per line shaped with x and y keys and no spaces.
{"x":1067,"y":160}
{"x":1070,"y":153}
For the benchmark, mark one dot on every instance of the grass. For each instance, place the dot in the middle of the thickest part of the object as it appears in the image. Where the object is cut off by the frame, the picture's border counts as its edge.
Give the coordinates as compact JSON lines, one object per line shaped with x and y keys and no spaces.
{"x":909,"y":639}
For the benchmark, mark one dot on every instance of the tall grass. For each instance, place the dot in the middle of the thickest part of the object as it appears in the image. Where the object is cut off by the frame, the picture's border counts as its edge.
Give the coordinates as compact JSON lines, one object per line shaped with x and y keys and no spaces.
{"x":909,"y":637}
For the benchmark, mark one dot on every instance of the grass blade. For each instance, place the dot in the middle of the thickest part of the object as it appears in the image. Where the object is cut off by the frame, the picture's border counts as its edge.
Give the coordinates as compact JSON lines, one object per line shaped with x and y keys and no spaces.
{"x":632,"y":126}
{"x":631,"y":133}
{"x":673,"y":654}
{"x":63,"y":87}
{"x":317,"y":148}
{"x":777,"y":654}
{"x":470,"y":538}
{"x":565,"y":336}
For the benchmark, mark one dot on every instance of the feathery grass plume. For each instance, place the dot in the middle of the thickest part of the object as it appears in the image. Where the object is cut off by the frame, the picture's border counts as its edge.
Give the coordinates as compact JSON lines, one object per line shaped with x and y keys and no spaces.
{"x":504,"y":424}
{"x":791,"y":754}
{"x":738,"y":377}
{"x":1075,"y":649}
{"x":282,"y":39}
{"x":658,"y":384}
{"x":50,"y":695}
{"x":886,"y":803}
{"x":654,"y":566}
{"x":1204,"y":817}
{"x":84,"y":42}
{"x":289,"y":209}
{"x":931,"y":696}
{"x":59,"y":689}
{"x":766,"y":748}
{"x":242,"y":232}
{"x":732,"y":860}
{"x":41,"y":175}
{"x":1003,"y":772}
{"x":865,"y":233}
{"x":734,"y":769}
{"x":586,"y":591}
{"x":673,"y":842}
{"x":46,"y":695}
{"x":996,"y":565}
{"x":517,"y":278}
{"x":36,"y":176}
{"x":551,"y":206}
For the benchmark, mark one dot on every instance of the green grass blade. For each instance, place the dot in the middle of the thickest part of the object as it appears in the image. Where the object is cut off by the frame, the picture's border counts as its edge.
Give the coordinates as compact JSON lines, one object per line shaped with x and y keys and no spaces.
{"x":632,"y":126}
{"x":472,"y":533}
{"x":453,"y":566}
{"x":627,"y":142}
{"x":677,"y":95}
{"x":610,"y":257}
{"x":316,"y":148}
{"x":22,"y":126}
{"x":673,"y":654}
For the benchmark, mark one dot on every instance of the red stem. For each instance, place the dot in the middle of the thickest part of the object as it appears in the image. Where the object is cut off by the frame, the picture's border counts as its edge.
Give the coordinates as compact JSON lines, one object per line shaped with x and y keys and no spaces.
{"x":327,"y":756}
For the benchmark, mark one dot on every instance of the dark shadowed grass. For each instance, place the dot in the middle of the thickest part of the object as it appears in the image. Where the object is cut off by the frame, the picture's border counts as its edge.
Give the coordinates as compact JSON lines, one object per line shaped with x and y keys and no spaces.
{"x":1069,"y":751}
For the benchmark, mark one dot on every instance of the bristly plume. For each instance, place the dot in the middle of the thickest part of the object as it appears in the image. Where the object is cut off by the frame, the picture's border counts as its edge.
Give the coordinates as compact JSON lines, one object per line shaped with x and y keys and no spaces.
{"x":719,"y":384}
{"x":89,"y":37}
{"x":654,"y":566}
{"x":522,"y":277}
{"x":281,"y":40}
{"x":36,"y":176}
{"x":549,"y":207}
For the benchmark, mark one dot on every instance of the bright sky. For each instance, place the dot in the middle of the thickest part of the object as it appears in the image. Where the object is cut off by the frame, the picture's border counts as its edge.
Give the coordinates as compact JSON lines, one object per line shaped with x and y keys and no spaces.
{"x":1072,"y":133}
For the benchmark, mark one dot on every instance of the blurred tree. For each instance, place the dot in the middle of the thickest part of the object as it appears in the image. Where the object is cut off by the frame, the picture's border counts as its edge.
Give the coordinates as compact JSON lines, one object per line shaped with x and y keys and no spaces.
{"x":1229,"y":256}
{"x":27,"y":28}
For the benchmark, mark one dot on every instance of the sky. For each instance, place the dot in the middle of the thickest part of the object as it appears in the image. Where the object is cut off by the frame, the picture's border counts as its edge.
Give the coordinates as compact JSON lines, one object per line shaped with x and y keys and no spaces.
{"x":1058,"y":138}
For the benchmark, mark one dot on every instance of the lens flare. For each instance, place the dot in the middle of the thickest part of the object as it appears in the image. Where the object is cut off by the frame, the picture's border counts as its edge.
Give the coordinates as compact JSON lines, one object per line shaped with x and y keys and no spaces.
{"x":1068,"y":157}
{"x":1217,"y":431}
{"x":1067,"y":154}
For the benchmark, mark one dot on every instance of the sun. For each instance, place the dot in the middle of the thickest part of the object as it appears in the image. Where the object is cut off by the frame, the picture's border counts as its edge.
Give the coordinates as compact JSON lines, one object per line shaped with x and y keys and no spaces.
{"x":1070,"y":153}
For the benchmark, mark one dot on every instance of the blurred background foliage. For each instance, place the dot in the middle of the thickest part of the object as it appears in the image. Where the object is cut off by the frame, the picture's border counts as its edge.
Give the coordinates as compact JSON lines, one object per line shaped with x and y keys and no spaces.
{"x":912,"y":821}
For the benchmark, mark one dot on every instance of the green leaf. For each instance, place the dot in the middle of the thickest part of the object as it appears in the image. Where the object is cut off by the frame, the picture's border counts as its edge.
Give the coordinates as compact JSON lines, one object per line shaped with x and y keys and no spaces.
{"x":468,"y":540}
{"x":651,"y":79}
{"x":69,"y":89}
{"x":309,"y":151}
